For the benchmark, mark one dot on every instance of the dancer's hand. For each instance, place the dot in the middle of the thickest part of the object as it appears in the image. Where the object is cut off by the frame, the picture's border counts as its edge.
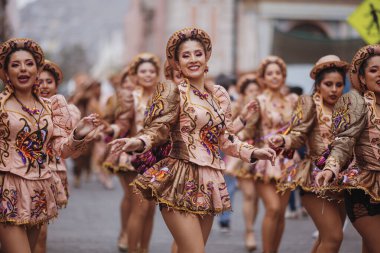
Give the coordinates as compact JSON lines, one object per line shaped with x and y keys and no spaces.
{"x":86,"y":125}
{"x":324,"y":177}
{"x":265,"y":154}
{"x":249,"y":110}
{"x":276,"y":141}
{"x":126,"y":145}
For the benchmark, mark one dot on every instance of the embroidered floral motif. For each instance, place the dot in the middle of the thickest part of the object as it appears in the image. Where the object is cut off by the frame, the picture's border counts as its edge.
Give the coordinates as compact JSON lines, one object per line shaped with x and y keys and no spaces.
{"x":157,"y":175}
{"x":197,"y":196}
{"x":30,"y":146}
{"x":8,"y":204}
{"x":39,"y":204}
{"x":4,"y":137}
{"x":341,"y":116}
{"x":209,"y":135}
{"x":157,"y":106}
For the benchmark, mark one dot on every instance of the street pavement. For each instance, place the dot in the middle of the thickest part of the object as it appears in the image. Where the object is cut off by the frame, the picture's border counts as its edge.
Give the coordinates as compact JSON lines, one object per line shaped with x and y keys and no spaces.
{"x":90,"y":224}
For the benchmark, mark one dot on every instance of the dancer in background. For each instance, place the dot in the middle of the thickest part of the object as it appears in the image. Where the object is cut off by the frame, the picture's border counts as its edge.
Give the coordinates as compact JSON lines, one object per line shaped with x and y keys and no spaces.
{"x":144,"y":72}
{"x":356,"y":132}
{"x":50,"y":78}
{"x":189,"y":184}
{"x":249,"y":88}
{"x":311,"y":125}
{"x":118,"y":117}
{"x":28,"y":195}
{"x":275,"y":111}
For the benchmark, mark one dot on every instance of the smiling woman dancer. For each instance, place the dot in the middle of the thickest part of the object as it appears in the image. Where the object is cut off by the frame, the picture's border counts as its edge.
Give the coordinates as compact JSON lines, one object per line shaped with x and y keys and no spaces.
{"x":144,"y":71}
{"x":311,"y":125}
{"x":29,"y":124}
{"x":50,"y":77}
{"x":356,"y":130}
{"x":197,"y":117}
{"x":275,"y":111}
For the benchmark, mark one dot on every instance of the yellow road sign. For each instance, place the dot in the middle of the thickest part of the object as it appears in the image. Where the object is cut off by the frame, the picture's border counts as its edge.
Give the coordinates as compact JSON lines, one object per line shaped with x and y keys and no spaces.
{"x":366,"y":20}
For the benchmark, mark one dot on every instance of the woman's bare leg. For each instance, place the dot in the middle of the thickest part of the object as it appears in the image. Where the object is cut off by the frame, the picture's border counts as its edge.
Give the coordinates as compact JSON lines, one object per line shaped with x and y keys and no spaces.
{"x":327,"y":216}
{"x":148,"y":226}
{"x":14,"y":239}
{"x":41,"y":243}
{"x":136,"y":221}
{"x":369,"y":229}
{"x":125,"y":207}
{"x":186,"y":230}
{"x":272,"y":203}
{"x":247,"y":187}
{"x":284,"y":200}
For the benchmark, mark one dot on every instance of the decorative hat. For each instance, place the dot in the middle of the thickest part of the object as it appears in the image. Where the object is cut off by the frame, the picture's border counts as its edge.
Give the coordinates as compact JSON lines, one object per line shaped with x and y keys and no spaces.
{"x":55,"y":70}
{"x":272,"y":59}
{"x":187,"y":33}
{"x":328,"y":61}
{"x":143,"y":57}
{"x":9,"y":46}
{"x":362,"y":55}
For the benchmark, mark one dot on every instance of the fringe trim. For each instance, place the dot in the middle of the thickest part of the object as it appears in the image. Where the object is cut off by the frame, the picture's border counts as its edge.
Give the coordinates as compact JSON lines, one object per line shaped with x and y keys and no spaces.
{"x":28,"y":223}
{"x":171,"y":205}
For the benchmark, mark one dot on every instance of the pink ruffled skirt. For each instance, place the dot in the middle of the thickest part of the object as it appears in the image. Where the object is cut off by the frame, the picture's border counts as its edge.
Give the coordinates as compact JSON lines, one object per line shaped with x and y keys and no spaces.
{"x":185,"y":186}
{"x":27,"y":202}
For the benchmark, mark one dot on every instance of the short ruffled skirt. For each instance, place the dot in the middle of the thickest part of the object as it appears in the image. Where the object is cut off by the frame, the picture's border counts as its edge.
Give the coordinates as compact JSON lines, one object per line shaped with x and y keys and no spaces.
{"x":27,"y":202}
{"x":61,"y":187}
{"x":356,"y":178}
{"x":118,"y":163}
{"x":264,"y":171}
{"x":184,"y":186}
{"x":245,"y":172}
{"x":300,"y":174}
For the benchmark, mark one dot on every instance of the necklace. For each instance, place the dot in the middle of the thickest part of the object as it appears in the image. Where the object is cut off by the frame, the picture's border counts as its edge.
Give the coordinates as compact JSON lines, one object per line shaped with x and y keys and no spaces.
{"x":30,"y":111}
{"x":202,"y":96}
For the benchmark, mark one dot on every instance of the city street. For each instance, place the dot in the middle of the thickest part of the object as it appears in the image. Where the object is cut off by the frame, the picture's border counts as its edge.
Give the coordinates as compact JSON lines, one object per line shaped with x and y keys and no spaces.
{"x":90,"y":224}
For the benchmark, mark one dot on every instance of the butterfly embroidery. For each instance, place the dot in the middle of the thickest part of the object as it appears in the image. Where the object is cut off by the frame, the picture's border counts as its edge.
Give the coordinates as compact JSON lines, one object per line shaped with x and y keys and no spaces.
{"x":29,"y":145}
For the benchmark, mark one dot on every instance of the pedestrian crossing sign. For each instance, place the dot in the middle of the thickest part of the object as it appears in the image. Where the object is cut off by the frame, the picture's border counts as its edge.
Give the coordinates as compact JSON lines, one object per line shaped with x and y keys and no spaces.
{"x":366,"y":21}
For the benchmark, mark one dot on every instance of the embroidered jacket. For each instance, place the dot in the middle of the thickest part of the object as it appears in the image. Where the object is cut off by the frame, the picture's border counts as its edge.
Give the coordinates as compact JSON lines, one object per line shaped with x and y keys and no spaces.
{"x":310,"y":125}
{"x":356,"y":130}
{"x":198,"y":129}
{"x":24,"y":139}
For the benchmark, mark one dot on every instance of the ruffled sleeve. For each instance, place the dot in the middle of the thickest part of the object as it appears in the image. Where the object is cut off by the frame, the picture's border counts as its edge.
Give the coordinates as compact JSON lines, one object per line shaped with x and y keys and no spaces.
{"x":229,"y":142}
{"x":63,"y":142}
{"x":349,"y":120}
{"x":161,"y":113}
{"x":74,"y":114}
{"x":302,"y":121}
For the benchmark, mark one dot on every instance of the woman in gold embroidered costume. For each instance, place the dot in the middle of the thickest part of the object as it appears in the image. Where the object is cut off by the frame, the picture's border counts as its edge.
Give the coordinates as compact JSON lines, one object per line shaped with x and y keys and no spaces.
{"x":118,"y":117}
{"x":144,"y":71}
{"x":249,"y":88}
{"x":50,"y":77}
{"x":311,"y":126}
{"x":356,"y":144}
{"x":275,"y":111}
{"x":197,"y":117}
{"x":29,"y":124}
